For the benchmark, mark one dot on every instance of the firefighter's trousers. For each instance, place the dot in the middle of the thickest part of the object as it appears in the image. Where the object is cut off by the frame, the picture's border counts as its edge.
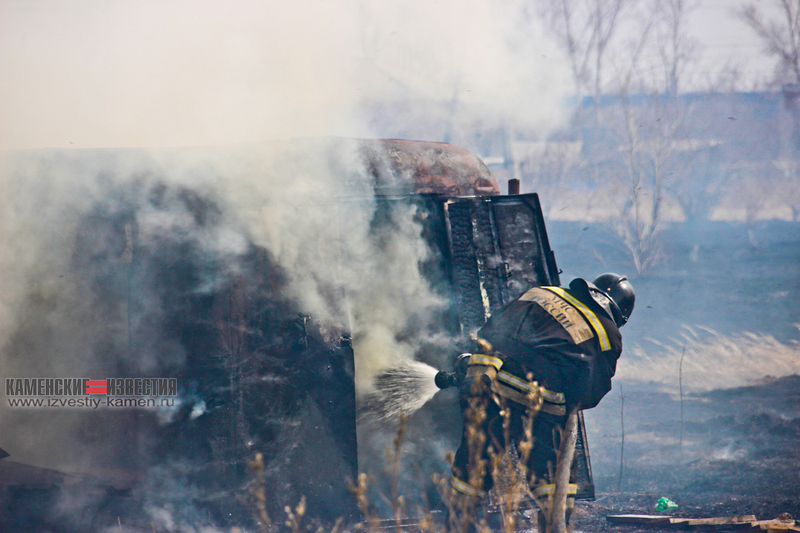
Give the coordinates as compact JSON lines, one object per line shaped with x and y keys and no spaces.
{"x":484,"y":436}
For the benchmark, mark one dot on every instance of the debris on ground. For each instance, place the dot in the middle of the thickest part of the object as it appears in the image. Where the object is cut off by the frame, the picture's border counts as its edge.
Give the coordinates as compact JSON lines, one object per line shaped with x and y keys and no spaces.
{"x":784,"y":523}
{"x":665,"y":504}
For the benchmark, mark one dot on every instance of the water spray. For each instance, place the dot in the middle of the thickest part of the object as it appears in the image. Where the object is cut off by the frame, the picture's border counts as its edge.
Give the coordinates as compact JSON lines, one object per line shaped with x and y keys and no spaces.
{"x":400,"y":390}
{"x":407,"y":387}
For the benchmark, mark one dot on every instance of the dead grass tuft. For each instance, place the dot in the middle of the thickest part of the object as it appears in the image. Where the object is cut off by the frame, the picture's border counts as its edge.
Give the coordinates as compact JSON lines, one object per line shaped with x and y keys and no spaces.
{"x":711,"y":360}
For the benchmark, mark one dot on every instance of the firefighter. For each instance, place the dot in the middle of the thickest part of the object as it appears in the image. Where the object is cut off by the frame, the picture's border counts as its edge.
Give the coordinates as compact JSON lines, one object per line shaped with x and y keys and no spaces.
{"x":548,"y":353}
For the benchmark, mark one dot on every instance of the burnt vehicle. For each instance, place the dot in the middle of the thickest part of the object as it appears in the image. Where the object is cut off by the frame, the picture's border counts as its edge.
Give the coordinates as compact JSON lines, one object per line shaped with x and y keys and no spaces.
{"x":258,"y":372}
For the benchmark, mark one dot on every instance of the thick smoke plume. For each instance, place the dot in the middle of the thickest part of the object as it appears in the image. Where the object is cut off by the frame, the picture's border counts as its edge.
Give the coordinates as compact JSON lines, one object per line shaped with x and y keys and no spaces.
{"x":95,"y":244}
{"x":77,"y":223}
{"x":309,"y":204}
{"x":317,"y":216}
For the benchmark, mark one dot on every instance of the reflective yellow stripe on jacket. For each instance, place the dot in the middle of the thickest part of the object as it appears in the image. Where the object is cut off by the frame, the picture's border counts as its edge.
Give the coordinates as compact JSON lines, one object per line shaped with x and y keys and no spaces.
{"x":526,"y":393}
{"x":465,"y":488}
{"x":547,"y":490}
{"x":605,"y":344}
{"x":485,"y":360}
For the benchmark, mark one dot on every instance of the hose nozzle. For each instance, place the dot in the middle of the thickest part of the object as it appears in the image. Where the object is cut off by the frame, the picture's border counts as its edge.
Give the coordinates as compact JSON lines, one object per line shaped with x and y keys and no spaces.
{"x":445,"y":380}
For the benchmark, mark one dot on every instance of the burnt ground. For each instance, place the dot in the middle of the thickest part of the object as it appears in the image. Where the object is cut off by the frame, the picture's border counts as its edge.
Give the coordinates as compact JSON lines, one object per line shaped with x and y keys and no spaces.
{"x":740,"y":455}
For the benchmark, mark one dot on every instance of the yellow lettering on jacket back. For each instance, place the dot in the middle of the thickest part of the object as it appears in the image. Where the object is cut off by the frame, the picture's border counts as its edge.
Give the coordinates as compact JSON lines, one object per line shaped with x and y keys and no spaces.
{"x":569,"y":317}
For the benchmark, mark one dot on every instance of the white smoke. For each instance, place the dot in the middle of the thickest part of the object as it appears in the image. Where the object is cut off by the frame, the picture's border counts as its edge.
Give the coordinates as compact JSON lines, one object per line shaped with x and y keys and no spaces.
{"x":193,"y":73}
{"x":235,"y":74}
{"x":309,"y":203}
{"x":313,"y":208}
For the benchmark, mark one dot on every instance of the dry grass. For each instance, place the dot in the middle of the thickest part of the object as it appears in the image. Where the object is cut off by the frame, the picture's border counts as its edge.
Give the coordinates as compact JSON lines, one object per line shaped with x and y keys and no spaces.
{"x":711,"y":360}
{"x":510,"y":496}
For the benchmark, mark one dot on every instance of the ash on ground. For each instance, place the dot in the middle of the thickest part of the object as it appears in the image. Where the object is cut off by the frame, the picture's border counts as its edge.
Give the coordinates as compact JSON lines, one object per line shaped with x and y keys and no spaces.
{"x":740,"y":454}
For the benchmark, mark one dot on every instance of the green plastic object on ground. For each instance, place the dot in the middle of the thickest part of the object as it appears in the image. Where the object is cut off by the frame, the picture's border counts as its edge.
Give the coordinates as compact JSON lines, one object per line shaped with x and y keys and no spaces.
{"x":665,"y":504}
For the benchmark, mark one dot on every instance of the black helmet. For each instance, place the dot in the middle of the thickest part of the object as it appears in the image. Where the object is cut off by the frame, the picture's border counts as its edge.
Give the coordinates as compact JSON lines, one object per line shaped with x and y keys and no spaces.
{"x":621,"y":292}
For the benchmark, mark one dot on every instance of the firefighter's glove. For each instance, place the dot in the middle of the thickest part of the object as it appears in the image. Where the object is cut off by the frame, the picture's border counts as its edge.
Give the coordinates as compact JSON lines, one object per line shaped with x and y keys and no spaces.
{"x":455,"y":378}
{"x":479,"y":379}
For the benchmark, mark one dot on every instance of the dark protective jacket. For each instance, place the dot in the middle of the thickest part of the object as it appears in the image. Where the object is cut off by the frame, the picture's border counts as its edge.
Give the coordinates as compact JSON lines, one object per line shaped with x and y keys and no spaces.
{"x":562,"y":337}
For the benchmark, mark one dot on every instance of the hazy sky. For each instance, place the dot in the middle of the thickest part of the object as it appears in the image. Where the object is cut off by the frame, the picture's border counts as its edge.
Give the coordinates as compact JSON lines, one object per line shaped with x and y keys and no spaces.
{"x":98,"y":73}
{"x":722,"y":38}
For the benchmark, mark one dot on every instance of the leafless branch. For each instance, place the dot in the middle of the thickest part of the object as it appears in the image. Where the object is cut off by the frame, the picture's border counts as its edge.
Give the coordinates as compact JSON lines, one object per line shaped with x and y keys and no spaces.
{"x":585,"y":30}
{"x":780,"y":38}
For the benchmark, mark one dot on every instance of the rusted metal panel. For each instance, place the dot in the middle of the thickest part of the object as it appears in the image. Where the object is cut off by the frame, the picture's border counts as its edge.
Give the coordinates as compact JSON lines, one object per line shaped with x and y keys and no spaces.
{"x":428,"y":167}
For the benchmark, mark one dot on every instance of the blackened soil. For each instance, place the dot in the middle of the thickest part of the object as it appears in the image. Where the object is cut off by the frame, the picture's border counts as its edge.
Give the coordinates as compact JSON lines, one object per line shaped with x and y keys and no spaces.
{"x":740,"y":455}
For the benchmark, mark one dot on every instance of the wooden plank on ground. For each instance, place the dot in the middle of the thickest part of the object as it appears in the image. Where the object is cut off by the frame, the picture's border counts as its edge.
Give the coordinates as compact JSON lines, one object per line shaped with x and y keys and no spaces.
{"x":722,"y":522}
{"x":777,"y":525}
{"x":715,"y":523}
{"x":654,"y":520}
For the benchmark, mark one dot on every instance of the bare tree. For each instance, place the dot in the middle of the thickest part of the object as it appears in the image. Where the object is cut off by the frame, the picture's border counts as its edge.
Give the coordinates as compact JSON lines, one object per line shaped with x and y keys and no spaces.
{"x":656,"y":155}
{"x":648,"y":150}
{"x":643,"y":132}
{"x":585,"y":29}
{"x":675,"y":47}
{"x":781,"y":39}
{"x":605,"y":17}
{"x":573,"y":33}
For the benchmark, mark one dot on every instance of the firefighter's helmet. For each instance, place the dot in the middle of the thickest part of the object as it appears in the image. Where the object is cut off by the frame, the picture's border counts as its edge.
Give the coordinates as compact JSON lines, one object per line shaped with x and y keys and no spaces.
{"x":620,"y":290}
